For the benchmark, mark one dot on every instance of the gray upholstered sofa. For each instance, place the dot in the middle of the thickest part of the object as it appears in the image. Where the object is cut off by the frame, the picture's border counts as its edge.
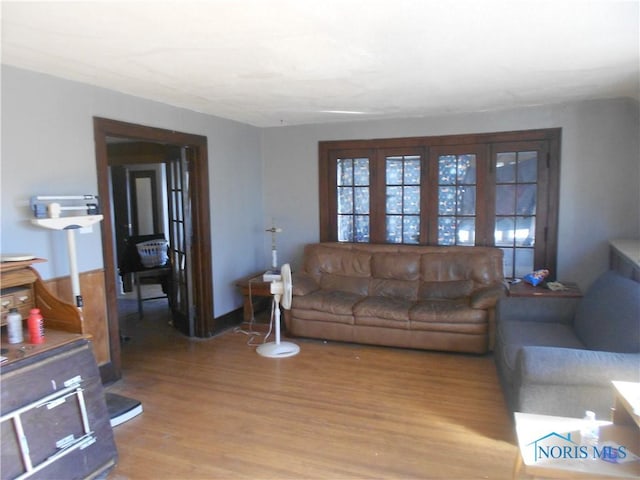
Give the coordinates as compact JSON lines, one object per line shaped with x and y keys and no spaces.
{"x":558,"y":356}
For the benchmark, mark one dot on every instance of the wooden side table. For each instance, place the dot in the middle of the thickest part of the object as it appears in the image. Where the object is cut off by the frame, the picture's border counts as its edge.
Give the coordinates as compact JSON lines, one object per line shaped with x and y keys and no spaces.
{"x":524,"y":289}
{"x":252,"y":287}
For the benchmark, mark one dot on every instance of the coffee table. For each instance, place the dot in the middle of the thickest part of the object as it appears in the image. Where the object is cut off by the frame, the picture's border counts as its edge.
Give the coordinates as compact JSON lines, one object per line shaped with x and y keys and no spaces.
{"x":626,"y":410}
{"x":551,"y":447}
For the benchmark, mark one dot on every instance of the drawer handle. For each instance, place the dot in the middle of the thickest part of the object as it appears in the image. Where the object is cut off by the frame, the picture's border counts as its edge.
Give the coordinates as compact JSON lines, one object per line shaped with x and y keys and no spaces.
{"x":23,"y":299}
{"x":6,"y":303}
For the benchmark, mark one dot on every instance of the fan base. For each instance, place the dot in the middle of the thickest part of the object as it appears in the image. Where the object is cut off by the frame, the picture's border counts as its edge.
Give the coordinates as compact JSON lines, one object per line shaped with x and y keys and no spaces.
{"x":278,"y":350}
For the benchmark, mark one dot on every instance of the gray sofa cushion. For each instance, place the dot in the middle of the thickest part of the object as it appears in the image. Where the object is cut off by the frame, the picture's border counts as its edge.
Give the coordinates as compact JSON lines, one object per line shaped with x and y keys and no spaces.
{"x":611,"y":294}
{"x":512,"y":336}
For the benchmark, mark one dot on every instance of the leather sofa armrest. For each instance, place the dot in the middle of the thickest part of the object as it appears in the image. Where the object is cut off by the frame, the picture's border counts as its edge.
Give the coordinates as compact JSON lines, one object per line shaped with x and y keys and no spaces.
{"x":487,"y":297}
{"x":569,"y":366}
{"x":303,"y":284}
{"x":536,"y":309}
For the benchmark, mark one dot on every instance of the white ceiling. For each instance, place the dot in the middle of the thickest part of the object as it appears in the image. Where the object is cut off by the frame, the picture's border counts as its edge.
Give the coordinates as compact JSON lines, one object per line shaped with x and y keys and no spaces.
{"x":287,"y":62}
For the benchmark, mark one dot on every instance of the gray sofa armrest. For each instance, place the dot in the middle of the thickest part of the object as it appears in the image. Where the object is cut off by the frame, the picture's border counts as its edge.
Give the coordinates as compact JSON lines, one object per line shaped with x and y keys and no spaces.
{"x":303,"y":284}
{"x":568,"y":366}
{"x":536,"y":309}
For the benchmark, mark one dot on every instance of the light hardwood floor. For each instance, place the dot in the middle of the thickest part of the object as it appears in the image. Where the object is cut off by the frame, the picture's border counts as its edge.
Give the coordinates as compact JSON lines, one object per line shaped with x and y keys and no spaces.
{"x":214,"y":409}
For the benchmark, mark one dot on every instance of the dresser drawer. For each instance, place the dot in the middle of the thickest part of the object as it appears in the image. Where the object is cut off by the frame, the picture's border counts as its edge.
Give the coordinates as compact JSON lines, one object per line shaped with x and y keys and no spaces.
{"x":20,"y":298}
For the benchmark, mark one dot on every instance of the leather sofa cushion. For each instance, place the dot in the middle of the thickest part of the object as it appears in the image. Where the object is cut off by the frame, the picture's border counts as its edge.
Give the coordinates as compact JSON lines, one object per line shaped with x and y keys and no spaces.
{"x":448,"y":311}
{"x":482,"y":266}
{"x":338,"y":261}
{"x":355,"y":285}
{"x":445,"y":289}
{"x":406,"y":290}
{"x":384,"y":307}
{"x":399,"y":266}
{"x":303,"y":284}
{"x":437,"y":267}
{"x":332,"y":301}
{"x":324,"y":317}
{"x":464,"y":328}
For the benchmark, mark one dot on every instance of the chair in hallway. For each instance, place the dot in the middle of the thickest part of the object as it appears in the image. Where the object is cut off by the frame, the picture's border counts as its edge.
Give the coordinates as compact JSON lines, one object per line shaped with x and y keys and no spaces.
{"x":131,"y":263}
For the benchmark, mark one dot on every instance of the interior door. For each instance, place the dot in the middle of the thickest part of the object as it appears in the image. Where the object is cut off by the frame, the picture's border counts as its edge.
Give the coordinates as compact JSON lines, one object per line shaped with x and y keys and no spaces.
{"x":180,"y":234}
{"x":121,"y":205}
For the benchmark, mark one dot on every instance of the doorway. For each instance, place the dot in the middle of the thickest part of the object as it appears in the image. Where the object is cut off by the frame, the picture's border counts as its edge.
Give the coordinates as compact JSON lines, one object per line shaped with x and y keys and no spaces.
{"x":186,"y":163}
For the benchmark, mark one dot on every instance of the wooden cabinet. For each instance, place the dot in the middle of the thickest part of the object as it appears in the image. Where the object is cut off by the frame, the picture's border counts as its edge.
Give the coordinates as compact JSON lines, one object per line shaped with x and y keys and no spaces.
{"x":23,"y":287}
{"x":54,"y":421}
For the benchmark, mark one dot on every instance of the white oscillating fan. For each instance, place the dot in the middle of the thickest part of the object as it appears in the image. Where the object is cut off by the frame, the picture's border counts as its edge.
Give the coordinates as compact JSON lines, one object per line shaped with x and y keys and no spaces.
{"x":281,"y":291}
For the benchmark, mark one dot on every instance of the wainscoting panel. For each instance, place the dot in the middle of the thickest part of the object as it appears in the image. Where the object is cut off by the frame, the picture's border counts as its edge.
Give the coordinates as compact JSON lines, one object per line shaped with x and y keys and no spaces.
{"x":94,"y":311}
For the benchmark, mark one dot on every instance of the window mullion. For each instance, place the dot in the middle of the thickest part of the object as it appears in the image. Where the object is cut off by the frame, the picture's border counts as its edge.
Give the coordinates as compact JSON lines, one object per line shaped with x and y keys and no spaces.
{"x":485,"y":198}
{"x":425,"y":200}
{"x":378,"y":196}
{"x":432,"y":194}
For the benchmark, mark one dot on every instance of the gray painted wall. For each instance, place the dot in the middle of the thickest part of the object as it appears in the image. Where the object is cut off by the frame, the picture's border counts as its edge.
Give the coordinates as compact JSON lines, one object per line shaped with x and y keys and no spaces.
{"x":599,"y":184}
{"x":48,"y":148}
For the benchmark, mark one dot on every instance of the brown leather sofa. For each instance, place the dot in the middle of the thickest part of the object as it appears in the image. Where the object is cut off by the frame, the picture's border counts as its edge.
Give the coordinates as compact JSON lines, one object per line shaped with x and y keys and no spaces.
{"x":436,"y":298}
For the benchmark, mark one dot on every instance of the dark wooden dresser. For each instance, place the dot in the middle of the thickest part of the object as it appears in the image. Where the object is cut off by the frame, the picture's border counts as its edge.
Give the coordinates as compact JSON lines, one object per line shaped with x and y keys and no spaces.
{"x":54,"y":422}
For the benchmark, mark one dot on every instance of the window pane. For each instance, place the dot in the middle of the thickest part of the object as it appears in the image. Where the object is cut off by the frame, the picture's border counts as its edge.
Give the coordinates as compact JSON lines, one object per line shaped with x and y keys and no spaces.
{"x":523,"y":262}
{"x":526,"y":201}
{"x":504,"y":232}
{"x":411,"y":200}
{"x":345,"y":200}
{"x":466,"y":231}
{"x":457,"y":196}
{"x":412,"y":171}
{"x":403,"y":192}
{"x":506,"y":167}
{"x":525,"y":234}
{"x":505,"y":200}
{"x":394,"y":229}
{"x":361,"y":171}
{"x":361,"y":199}
{"x":516,"y":198}
{"x":394,"y":200}
{"x":446,"y":200}
{"x":527,"y":166}
{"x":394,"y":171}
{"x":411,"y":233}
{"x":362,"y":228}
{"x":466,"y":169}
{"x":353,"y":199}
{"x":447,"y":165}
{"x":345,"y":171}
{"x":446,"y":231}
{"x":345,"y":228}
{"x":466,"y":197}
{"x":507,"y":262}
